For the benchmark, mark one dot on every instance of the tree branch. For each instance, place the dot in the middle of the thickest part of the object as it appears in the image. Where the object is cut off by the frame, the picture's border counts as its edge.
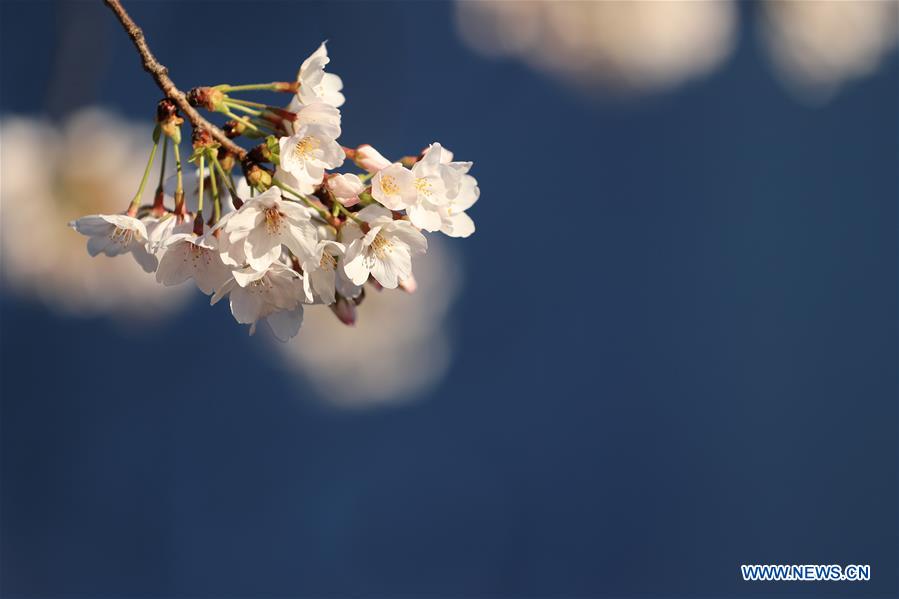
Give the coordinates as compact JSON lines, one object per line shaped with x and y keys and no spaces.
{"x":161,"y":76}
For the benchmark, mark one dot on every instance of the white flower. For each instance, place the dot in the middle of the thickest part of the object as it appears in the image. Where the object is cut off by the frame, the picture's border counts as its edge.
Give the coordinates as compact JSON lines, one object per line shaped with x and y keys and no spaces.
{"x":370,"y":159}
{"x":325,"y":116}
{"x":394,"y":187}
{"x":307,"y":153}
{"x":320,"y":271}
{"x":454,"y":221}
{"x":421,"y":192}
{"x":188,"y":256}
{"x":315,"y":84}
{"x":385,"y":251}
{"x":273,"y":295}
{"x":116,"y":234}
{"x":160,"y":228}
{"x":255,"y":233}
{"x":346,"y":188}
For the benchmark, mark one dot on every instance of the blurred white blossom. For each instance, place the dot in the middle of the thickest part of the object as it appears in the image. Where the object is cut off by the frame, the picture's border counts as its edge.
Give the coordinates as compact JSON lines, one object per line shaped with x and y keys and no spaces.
{"x":400,"y":345}
{"x":632,"y":46}
{"x":818,"y":46}
{"x":44,"y":184}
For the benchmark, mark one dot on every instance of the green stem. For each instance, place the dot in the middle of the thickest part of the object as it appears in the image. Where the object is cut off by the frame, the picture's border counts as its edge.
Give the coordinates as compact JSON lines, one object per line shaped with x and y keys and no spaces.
{"x":247,"y":103}
{"x":165,"y":146}
{"x":135,"y":203}
{"x":225,"y":177}
{"x":348,"y":214}
{"x":321,"y":211}
{"x":248,"y":87}
{"x":202,"y":176}
{"x":246,"y":122}
{"x":179,"y":187}
{"x":243,"y":108}
{"x":217,"y":202}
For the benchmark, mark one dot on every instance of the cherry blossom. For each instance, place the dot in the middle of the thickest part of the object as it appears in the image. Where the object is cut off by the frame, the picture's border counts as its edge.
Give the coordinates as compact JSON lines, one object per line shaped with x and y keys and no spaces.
{"x":187,"y":256}
{"x":290,"y":231}
{"x":258,"y":229}
{"x":384,"y":251}
{"x":116,"y":234}
{"x":273,"y":295}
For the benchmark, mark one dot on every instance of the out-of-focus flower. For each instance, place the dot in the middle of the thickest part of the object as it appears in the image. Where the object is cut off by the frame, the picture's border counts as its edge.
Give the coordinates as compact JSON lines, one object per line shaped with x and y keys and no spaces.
{"x":817,"y":46}
{"x":632,"y":46}
{"x":399,"y":346}
{"x":43,"y":186}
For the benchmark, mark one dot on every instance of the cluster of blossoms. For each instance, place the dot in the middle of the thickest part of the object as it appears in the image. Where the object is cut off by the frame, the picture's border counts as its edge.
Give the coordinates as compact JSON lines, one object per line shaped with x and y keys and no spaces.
{"x":291,"y":231}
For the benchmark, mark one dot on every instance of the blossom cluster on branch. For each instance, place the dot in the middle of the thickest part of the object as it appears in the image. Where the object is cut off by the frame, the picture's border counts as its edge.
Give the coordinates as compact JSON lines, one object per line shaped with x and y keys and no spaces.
{"x":291,"y":231}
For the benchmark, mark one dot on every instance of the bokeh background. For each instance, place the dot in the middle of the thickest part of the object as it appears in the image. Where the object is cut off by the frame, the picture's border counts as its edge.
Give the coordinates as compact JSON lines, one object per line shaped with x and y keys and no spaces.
{"x":670,"y":348}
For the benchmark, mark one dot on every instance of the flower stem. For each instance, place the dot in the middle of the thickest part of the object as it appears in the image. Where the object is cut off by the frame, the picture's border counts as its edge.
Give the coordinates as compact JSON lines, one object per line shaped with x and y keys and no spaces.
{"x":226,"y":178}
{"x":246,"y":103}
{"x":202,"y":176}
{"x":179,"y":186}
{"x":250,"y":124}
{"x":135,"y":203}
{"x":165,"y":146}
{"x":321,"y":211}
{"x":274,"y":86}
{"x":243,"y":108}
{"x":217,"y":201}
{"x":348,"y":214}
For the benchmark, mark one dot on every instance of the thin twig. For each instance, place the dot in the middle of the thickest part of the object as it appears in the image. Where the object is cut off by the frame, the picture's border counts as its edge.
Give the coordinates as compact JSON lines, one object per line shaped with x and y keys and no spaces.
{"x":161,"y":76}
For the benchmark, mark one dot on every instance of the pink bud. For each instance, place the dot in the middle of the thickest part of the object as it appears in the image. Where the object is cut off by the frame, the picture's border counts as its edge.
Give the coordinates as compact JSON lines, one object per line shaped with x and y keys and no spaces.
{"x":345,"y":310}
{"x":346,"y":188}
{"x":409,"y":285}
{"x":370,"y":159}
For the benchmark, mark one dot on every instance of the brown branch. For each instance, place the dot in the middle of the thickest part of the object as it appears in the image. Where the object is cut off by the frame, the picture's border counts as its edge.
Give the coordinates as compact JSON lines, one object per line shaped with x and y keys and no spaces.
{"x":161,"y":76}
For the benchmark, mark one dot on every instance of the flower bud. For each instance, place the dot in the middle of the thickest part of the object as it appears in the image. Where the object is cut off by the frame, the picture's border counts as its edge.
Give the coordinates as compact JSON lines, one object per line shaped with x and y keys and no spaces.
{"x":409,"y":285}
{"x":370,"y":159}
{"x":345,"y":310}
{"x":226,"y":159}
{"x":345,"y":188}
{"x":260,"y":153}
{"x":168,"y":119}
{"x":258,"y":177}
{"x":202,"y":138}
{"x":209,"y":98}
{"x":233,"y":129}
